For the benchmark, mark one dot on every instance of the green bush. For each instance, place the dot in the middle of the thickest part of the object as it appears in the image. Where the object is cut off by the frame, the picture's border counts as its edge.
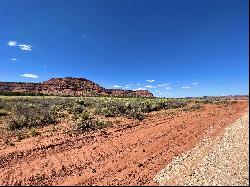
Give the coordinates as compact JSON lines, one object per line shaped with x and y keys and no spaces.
{"x":27,"y":115}
{"x":129,"y":107}
{"x":34,"y":132}
{"x":86,"y":122}
{"x":3,"y":113}
{"x":193,"y":107}
{"x":28,"y":111}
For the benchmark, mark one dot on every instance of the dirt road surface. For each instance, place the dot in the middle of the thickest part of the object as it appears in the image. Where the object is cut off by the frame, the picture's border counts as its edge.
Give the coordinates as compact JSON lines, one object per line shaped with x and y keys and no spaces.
{"x":220,"y":161}
{"x":128,"y":154}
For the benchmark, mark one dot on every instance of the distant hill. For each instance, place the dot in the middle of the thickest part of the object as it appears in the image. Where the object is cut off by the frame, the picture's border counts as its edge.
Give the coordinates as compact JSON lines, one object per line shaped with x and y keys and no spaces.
{"x":69,"y":86}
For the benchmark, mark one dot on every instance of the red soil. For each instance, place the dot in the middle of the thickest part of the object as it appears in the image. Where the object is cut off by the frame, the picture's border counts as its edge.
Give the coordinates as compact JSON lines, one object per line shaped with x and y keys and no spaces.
{"x":130,"y":154}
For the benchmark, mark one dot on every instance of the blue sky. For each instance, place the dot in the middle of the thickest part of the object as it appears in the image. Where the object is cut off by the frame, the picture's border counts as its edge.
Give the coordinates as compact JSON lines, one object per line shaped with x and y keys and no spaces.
{"x":173,"y":48}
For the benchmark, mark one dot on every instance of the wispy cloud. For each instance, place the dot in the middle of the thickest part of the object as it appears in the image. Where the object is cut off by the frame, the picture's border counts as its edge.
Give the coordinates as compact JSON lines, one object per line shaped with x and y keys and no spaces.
{"x":168,"y":88}
{"x":138,"y":84}
{"x":137,"y":89}
{"x":149,"y":86}
{"x":29,"y":75}
{"x":116,"y":86}
{"x":13,"y":59}
{"x":25,"y":47}
{"x":161,"y":85}
{"x":150,"y":80}
{"x":128,"y":85}
{"x":195,"y":83}
{"x":186,"y":87}
{"x":12,"y":43}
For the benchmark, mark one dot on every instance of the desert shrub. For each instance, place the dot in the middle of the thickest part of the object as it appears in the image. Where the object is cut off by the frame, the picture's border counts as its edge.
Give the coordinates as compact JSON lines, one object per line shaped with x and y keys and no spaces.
{"x":193,"y":107}
{"x":77,"y":109}
{"x":172,"y":104}
{"x":2,"y":104}
{"x":25,"y":115}
{"x":86,"y":122}
{"x":149,"y":106}
{"x":29,"y":112}
{"x":3,"y":113}
{"x":136,"y":114}
{"x":119,"y":107}
{"x":107,"y":112}
{"x":20,"y":135}
{"x":212,"y":101}
{"x":135,"y":108}
{"x":34,"y":132}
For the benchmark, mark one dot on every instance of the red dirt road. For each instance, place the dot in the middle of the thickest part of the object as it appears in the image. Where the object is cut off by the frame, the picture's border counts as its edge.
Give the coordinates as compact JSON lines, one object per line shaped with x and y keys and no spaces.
{"x":130,"y":154}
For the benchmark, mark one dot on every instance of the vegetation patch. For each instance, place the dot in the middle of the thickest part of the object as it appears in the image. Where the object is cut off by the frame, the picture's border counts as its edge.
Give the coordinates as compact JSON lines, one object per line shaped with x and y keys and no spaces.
{"x":3,"y":113}
{"x":87,"y":113}
{"x":193,"y":107}
{"x":34,"y":132}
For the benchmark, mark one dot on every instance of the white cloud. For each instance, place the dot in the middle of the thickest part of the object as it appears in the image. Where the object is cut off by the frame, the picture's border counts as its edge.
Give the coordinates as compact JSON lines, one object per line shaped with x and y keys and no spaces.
{"x":157,"y":91}
{"x":150,"y":80}
{"x":137,"y":89}
{"x":128,"y":85}
{"x":138,"y":84}
{"x":195,"y":83}
{"x":149,"y":86}
{"x":14,"y":59}
{"x":29,"y":75}
{"x":168,"y":88}
{"x":185,"y":87}
{"x":25,"y":47}
{"x":161,"y":85}
{"x":12,"y":43}
{"x":116,"y":86}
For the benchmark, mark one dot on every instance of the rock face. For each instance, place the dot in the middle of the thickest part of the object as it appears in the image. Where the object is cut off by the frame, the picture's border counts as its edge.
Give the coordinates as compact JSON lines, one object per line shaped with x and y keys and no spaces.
{"x":69,"y":87}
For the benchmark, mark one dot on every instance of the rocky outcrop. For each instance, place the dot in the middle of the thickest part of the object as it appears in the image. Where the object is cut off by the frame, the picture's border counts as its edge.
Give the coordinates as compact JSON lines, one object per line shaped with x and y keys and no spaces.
{"x":129,"y":93}
{"x":69,"y":87}
{"x":20,"y":87}
{"x":72,"y":86}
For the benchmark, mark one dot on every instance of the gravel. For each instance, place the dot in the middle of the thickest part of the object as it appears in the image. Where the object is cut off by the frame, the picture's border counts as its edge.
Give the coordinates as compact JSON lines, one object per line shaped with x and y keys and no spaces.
{"x":215,"y":161}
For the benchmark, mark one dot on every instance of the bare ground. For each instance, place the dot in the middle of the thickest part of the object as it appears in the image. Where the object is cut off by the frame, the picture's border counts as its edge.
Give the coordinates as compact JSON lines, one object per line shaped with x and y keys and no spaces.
{"x":129,"y":154}
{"x":222,"y":160}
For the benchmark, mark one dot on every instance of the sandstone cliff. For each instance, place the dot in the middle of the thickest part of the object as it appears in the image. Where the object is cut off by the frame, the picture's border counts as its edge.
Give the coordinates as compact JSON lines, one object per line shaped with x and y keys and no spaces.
{"x":71,"y":87}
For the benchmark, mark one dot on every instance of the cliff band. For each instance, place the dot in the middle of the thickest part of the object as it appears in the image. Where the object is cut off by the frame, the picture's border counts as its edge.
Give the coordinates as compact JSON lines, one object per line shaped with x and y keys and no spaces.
{"x":69,"y":87}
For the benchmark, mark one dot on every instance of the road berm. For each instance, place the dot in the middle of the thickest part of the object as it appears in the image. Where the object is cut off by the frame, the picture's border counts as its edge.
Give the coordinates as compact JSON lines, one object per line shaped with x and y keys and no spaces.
{"x":222,"y":161}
